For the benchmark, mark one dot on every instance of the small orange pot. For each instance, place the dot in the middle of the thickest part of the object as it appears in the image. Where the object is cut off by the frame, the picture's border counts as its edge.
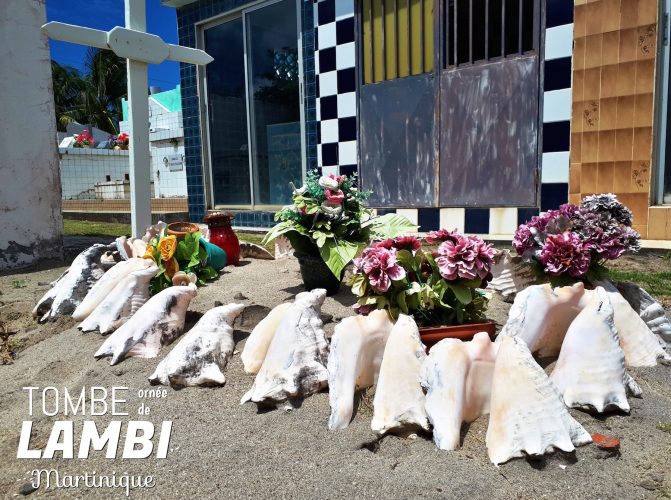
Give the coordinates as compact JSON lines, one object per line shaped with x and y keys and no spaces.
{"x":179,"y":229}
{"x":434,"y":334}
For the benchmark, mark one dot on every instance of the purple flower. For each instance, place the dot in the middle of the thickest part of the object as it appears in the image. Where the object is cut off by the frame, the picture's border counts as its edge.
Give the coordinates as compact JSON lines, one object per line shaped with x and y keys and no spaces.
{"x":364,"y":309}
{"x":380,"y":266}
{"x":608,"y":203}
{"x":607,"y":238}
{"x":565,"y":254}
{"x":466,"y":257}
{"x":568,"y":210}
{"x":523,"y":239}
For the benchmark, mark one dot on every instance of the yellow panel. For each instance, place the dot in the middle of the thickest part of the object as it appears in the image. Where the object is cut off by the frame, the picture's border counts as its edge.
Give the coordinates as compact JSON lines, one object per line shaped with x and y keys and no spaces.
{"x":415,"y":37}
{"x":367,"y":55}
{"x":377,"y":40}
{"x":402,"y":39}
{"x":428,"y":35}
{"x":390,"y":38}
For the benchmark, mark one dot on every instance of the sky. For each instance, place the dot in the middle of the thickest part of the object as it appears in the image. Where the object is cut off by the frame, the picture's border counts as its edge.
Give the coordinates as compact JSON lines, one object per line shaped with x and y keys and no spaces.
{"x":104,"y":15}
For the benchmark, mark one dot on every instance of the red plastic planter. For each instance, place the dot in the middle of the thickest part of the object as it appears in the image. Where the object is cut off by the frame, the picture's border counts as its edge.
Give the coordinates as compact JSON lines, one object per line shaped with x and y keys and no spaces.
{"x":432,"y":335}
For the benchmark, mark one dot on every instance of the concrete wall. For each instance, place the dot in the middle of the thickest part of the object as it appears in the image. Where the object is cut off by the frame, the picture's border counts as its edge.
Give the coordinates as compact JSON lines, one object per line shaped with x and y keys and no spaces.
{"x":30,"y":191}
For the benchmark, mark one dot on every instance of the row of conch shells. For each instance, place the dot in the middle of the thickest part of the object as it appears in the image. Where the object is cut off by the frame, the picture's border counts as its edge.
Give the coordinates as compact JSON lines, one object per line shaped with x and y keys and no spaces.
{"x":465,"y":380}
{"x":68,"y":291}
{"x":648,"y":309}
{"x":157,"y":323}
{"x":541,"y":316}
{"x":201,"y":355}
{"x":294,"y":365}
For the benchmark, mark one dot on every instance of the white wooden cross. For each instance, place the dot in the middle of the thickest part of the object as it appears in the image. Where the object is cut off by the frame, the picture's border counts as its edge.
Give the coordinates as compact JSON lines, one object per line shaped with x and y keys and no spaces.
{"x":139,"y":49}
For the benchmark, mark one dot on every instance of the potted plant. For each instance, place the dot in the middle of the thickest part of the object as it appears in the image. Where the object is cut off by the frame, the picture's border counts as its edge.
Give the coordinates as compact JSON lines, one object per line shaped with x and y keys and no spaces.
{"x":178,"y":260}
{"x":437,"y":280}
{"x":574,"y":242}
{"x":83,"y":140}
{"x":119,"y":142}
{"x":328,"y":225}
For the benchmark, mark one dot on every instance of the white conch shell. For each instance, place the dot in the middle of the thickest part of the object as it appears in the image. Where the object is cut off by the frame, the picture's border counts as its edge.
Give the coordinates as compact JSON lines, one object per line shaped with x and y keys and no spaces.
{"x":254,"y":251}
{"x":648,"y":309}
{"x":527,"y":413}
{"x":139,"y":247}
{"x":200,"y":357}
{"x":106,"y":284}
{"x":153,"y":230}
{"x":640,"y":345}
{"x":457,"y":377}
{"x":256,"y":345}
{"x":590,"y":370}
{"x":295,"y":364}
{"x":354,"y":362}
{"x":156,"y":323}
{"x":129,"y":294}
{"x":541,"y":315}
{"x":510,"y":275}
{"x":70,"y":289}
{"x":399,"y":401}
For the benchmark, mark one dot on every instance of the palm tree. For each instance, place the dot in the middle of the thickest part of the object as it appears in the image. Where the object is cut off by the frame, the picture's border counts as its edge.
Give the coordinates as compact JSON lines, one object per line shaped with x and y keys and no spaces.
{"x":95,"y":98}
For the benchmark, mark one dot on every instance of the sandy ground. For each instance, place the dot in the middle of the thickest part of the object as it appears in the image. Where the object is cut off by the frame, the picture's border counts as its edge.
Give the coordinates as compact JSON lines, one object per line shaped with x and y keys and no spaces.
{"x":222,"y":449}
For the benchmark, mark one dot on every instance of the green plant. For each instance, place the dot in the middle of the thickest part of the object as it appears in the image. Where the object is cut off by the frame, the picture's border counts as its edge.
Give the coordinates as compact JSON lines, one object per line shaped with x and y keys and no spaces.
{"x":436,"y":287}
{"x":19,"y":283}
{"x":172,"y":256}
{"x":328,"y":218}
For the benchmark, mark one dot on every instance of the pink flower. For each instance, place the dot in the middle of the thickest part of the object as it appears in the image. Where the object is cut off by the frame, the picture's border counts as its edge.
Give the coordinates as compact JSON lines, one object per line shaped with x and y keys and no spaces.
{"x":523,"y":239}
{"x":436,"y":237}
{"x":364,"y":309}
{"x":466,"y":257}
{"x":335,"y":196}
{"x":565,"y":253}
{"x":388,"y":244}
{"x":410,"y":243}
{"x":380,"y":266}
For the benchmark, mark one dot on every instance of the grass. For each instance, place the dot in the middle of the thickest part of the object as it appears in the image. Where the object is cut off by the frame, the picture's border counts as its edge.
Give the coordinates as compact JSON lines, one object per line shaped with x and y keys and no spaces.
{"x":90,"y":228}
{"x":655,"y":283}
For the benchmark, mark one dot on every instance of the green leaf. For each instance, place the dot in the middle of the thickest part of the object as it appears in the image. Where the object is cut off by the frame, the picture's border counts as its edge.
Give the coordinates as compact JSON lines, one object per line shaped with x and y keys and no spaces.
{"x":283,"y":228}
{"x":389,"y":226}
{"x":462,"y":292}
{"x":358,"y":284}
{"x":406,"y":259}
{"x":338,"y":255}
{"x":400,"y":298}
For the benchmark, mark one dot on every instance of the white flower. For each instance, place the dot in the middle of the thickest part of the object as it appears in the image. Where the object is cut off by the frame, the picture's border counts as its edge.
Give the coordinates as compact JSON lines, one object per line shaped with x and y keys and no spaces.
{"x":301,"y":189}
{"x":328,"y":183}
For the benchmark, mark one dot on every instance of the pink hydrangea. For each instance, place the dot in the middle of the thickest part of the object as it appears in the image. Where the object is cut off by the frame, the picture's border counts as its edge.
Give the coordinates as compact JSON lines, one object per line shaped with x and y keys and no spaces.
{"x":565,"y":253}
{"x":465,"y":257}
{"x":380,"y":266}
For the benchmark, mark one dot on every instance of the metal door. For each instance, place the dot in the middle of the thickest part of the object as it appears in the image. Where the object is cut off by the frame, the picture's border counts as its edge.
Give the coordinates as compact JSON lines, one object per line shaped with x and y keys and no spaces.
{"x":459,"y":125}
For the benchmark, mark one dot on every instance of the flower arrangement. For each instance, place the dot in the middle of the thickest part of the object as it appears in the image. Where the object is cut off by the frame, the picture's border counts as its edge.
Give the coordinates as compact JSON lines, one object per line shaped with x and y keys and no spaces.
{"x":119,"y":141}
{"x":83,"y":139}
{"x":328,"y":218}
{"x":573,"y":243}
{"x":179,"y":262}
{"x":437,"y":285}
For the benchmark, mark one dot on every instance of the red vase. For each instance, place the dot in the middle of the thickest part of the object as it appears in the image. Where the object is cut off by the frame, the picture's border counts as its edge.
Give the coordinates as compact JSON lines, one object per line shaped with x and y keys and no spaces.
{"x":222,"y":235}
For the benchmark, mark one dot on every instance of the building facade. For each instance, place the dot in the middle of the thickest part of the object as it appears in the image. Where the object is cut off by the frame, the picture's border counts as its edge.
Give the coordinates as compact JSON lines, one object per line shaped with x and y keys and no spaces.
{"x":469,"y":114}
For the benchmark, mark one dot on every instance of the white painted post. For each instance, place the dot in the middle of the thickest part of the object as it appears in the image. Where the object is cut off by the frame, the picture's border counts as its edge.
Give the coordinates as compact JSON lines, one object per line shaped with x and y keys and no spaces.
{"x":138,"y":110}
{"x":139,"y":49}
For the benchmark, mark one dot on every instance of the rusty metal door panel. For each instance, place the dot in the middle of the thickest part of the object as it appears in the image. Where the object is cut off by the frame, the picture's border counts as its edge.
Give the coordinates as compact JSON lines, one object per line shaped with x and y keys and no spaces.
{"x":489,"y":134}
{"x":396,"y":129}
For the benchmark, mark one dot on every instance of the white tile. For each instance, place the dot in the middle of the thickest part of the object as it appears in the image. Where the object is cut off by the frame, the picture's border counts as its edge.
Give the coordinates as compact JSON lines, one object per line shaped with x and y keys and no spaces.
{"x":557,"y":106}
{"x":329,"y":131}
{"x":346,"y":104}
{"x":345,"y":56}
{"x":328,"y":84}
{"x":334,"y":170}
{"x":502,"y":220}
{"x":452,"y":218}
{"x":555,"y":167}
{"x":558,"y":42}
{"x":347,"y":153}
{"x":409,"y":213}
{"x":316,"y":62}
{"x":319,"y":155}
{"x":326,"y":36}
{"x":318,"y":111}
{"x":343,"y":9}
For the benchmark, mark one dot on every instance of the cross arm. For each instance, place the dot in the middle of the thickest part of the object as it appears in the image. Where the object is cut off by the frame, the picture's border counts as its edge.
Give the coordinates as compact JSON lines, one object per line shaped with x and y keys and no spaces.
{"x":76,"y":34}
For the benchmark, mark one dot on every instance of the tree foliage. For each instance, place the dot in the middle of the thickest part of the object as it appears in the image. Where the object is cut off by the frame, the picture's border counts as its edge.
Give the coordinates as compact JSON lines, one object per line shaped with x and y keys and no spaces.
{"x":92,"y":97}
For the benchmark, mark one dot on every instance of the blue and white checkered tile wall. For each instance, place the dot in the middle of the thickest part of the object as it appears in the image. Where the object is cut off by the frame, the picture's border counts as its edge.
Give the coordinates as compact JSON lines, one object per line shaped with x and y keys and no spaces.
{"x":336,"y":110}
{"x":335,"y":59}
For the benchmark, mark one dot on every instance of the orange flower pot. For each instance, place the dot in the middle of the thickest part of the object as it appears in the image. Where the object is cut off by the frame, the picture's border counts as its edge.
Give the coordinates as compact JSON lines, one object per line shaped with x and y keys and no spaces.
{"x":434,"y":334}
{"x":179,"y":229}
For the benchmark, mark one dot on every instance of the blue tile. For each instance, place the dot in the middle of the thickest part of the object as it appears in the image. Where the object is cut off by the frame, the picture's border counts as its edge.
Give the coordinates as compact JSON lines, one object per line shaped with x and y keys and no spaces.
{"x":476,"y":221}
{"x":553,"y":195}
{"x":525,"y":214}
{"x":428,"y":219}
